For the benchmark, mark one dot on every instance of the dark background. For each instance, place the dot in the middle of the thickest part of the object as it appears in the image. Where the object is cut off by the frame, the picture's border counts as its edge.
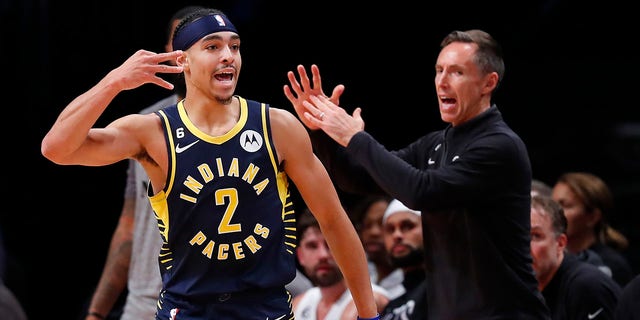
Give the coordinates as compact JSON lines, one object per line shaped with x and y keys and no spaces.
{"x":569,"y":91}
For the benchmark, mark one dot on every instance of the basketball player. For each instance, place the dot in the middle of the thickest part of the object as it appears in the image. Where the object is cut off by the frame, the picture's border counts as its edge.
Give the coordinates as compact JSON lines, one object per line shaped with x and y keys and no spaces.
{"x":219,"y":168}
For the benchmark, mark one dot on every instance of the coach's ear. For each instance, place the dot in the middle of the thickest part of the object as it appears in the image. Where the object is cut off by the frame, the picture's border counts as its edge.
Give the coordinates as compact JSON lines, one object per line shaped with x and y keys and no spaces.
{"x":491,"y":82}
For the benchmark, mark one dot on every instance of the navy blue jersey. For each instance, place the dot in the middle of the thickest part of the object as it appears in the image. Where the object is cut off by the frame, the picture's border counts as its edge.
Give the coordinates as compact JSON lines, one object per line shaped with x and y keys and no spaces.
{"x":225,"y":214}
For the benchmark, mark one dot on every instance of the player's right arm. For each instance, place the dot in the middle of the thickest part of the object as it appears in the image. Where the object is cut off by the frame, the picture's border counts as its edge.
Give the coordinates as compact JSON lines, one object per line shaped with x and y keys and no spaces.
{"x":72,"y":138}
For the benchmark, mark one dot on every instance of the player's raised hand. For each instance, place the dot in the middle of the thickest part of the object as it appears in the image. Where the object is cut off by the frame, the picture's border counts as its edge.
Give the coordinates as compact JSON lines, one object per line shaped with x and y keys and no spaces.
{"x":142,"y":67}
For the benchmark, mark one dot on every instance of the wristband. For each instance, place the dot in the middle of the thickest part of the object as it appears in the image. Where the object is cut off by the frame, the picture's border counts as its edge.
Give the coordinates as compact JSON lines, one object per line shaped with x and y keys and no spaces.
{"x":95,"y":314}
{"x":377,"y":317}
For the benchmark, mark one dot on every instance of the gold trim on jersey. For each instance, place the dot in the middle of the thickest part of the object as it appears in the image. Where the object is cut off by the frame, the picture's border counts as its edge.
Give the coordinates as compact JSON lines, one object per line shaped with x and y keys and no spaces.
{"x":244,"y":115}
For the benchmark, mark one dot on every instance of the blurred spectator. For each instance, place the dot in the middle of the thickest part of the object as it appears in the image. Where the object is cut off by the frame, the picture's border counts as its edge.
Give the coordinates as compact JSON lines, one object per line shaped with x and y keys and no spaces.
{"x":573,"y":290}
{"x":330,"y":299}
{"x":629,"y":302}
{"x":368,"y":213}
{"x":404,"y":244}
{"x":539,"y":188}
{"x":587,"y":201}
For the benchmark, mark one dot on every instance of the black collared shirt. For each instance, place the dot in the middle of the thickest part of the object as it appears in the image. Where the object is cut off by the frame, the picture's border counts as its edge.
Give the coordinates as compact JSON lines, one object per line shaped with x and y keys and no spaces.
{"x":579,"y":290}
{"x":472,"y":183}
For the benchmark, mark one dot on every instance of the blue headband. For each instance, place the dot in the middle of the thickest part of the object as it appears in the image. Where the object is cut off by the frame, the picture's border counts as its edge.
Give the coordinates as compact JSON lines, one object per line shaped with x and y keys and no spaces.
{"x":199,"y":28}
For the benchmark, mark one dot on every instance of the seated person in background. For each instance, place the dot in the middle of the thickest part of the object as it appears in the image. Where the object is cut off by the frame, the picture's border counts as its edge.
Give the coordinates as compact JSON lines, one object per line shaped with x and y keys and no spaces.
{"x":367,"y":213}
{"x":539,"y":188}
{"x":628,"y":307}
{"x":587,"y":201}
{"x":404,"y":245}
{"x":330,"y":299}
{"x":572,"y":289}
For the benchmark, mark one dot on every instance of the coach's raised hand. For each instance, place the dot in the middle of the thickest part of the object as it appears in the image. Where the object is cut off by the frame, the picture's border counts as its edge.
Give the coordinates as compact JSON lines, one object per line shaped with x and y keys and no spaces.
{"x":303,"y":90}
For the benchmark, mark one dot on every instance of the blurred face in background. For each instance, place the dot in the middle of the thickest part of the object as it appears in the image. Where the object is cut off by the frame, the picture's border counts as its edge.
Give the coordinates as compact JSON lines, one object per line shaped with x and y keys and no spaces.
{"x":581,"y":224}
{"x":546,"y":247}
{"x":371,"y":232}
{"x":403,"y":239}
{"x":316,"y":259}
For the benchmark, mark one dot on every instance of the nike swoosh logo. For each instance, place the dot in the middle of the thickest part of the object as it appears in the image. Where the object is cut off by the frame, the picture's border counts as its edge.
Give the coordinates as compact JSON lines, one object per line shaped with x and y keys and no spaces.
{"x":430,"y":161}
{"x":180,"y":149}
{"x":595,"y":314}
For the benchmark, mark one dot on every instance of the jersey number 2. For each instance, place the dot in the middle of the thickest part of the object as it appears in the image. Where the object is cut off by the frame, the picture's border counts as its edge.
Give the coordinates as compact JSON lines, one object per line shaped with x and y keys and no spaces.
{"x":229,"y":197}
